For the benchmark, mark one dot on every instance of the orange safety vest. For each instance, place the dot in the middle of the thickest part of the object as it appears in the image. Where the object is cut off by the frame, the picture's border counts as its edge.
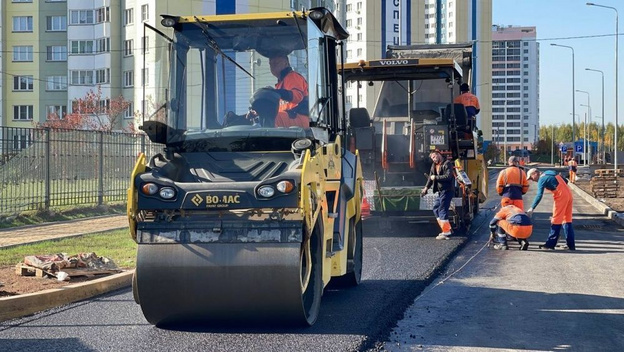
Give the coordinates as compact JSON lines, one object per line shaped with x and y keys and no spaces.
{"x":512,"y":177}
{"x":295,"y":83}
{"x":468,"y":99}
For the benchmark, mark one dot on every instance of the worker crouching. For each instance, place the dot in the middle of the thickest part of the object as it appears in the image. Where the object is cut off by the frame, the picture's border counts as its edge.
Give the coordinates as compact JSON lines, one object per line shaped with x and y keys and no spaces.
{"x":513,"y":222}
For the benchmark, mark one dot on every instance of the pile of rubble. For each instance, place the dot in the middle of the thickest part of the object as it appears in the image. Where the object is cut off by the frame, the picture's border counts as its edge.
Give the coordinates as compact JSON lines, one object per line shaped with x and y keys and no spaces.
{"x":63,"y":267}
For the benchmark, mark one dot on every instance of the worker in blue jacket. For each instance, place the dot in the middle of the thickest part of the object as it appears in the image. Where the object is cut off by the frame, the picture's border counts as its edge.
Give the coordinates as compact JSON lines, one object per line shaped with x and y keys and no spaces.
{"x":562,"y":207}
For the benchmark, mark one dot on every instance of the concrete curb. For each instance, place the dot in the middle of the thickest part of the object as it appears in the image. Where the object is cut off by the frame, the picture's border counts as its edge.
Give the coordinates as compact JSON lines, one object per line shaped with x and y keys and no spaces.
{"x":27,"y":304}
{"x":600,"y":206}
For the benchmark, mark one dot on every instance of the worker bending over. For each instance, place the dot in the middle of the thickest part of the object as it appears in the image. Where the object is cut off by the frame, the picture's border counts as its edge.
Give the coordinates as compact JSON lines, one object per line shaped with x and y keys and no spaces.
{"x":562,"y":207}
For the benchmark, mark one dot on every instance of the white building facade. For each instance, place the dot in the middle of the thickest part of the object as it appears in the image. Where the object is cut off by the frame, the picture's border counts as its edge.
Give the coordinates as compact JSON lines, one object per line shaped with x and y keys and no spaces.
{"x":515,"y":87}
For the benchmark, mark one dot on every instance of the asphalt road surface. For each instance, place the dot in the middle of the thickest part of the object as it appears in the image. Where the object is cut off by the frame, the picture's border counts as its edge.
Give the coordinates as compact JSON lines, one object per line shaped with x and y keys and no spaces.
{"x":398,"y":265}
{"x":474,"y":298}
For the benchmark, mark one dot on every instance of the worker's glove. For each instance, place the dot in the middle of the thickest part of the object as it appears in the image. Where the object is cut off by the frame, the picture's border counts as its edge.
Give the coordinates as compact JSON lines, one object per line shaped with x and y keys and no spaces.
{"x":423,"y":192}
{"x":285,"y":94}
{"x":529,"y":212}
{"x":432,"y":177}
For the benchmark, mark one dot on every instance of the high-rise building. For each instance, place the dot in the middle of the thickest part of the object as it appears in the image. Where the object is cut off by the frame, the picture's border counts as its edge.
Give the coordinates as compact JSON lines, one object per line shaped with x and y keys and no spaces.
{"x":373,"y":25}
{"x":515,"y":87}
{"x":56,"y":51}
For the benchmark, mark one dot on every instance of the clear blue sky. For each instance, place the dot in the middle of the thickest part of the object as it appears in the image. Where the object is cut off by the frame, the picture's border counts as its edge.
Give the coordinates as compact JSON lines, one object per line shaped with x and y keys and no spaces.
{"x":563,"y":19}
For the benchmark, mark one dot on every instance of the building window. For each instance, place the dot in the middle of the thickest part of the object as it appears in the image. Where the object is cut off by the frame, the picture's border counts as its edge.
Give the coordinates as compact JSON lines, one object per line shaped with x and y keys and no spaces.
{"x":23,"y":83}
{"x":349,"y":23}
{"x":359,"y":37}
{"x":81,"y":17}
{"x":349,"y":54}
{"x":525,"y":43}
{"x":525,"y":51}
{"x":81,"y":77}
{"x":56,"y":83}
{"x":145,"y":45}
{"x":145,"y":77}
{"x":22,"y":112}
{"x":104,"y":106}
{"x":349,"y":7}
{"x":128,"y":44}
{"x":129,"y":112}
{"x":144,"y":13}
{"x":56,"y":53}
{"x":103,"y":45}
{"x":58,"y":111}
{"x":22,"y":24}
{"x":359,"y":21}
{"x":358,"y":6}
{"x":21,"y":1}
{"x":23,"y":53}
{"x":102,"y":76}
{"x":128,"y":17}
{"x":56,"y":23}
{"x":81,"y":46}
{"x":359,"y":52}
{"x":128,"y":78}
{"x":103,"y":14}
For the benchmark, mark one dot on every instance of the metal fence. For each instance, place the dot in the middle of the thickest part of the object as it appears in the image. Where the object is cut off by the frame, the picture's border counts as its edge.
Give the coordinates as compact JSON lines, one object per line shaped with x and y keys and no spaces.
{"x":42,"y":169}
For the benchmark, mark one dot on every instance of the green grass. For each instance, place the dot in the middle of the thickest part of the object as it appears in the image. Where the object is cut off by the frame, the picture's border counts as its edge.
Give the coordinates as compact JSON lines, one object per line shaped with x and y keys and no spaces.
{"x":61,"y":214}
{"x":116,"y":245}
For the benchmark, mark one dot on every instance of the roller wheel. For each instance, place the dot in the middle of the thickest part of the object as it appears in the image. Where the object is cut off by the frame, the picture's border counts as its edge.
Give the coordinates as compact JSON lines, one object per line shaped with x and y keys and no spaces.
{"x":354,"y":258}
{"x":311,"y":259}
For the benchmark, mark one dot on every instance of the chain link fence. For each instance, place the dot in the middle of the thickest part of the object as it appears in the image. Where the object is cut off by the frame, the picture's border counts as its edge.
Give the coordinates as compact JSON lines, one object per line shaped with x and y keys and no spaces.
{"x":43,"y":169}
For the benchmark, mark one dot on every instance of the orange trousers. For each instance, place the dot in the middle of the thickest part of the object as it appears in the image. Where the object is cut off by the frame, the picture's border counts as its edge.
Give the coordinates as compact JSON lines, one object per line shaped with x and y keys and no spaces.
{"x":516,"y":231}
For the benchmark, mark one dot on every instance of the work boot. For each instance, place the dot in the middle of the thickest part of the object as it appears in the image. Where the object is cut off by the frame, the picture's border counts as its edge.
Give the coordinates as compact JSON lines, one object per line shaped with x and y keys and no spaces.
{"x":501,"y":246}
{"x":443,"y":236}
{"x":541,"y":246}
{"x":569,"y":231}
{"x":501,"y":242}
{"x":524,"y":245}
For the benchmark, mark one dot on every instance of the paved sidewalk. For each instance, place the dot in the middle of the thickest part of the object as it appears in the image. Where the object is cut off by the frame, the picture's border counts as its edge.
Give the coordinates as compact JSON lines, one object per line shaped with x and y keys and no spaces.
{"x":36,"y":233}
{"x":536,"y":300}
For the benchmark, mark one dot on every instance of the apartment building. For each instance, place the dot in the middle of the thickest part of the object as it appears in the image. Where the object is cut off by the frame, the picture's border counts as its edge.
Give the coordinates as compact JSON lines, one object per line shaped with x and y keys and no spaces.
{"x":59,"y":50}
{"x":515,"y":87}
{"x":374,"y":25}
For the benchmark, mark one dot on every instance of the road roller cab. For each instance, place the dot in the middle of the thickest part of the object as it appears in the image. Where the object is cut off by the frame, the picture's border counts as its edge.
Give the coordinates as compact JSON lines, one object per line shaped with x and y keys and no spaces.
{"x":239,"y":218}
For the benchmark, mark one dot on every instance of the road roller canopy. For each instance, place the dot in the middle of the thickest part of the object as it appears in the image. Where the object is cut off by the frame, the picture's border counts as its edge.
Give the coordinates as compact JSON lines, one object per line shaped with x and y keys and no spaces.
{"x":213,"y":88}
{"x":431,"y":82}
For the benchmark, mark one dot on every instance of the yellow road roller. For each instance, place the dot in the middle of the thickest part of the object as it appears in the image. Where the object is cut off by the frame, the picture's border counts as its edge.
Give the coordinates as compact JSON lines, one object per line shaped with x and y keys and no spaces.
{"x":253,"y":203}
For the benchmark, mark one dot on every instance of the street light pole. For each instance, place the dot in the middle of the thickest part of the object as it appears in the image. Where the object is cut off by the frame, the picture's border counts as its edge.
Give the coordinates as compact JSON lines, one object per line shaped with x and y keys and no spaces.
{"x":552,"y":146}
{"x":585,"y":128}
{"x":573,"y":101}
{"x":602,"y":130}
{"x":617,"y":34}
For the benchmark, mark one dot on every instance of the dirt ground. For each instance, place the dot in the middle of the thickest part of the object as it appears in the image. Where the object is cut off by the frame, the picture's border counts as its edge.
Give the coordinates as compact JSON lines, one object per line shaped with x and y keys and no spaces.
{"x":616,"y":204}
{"x":14,"y":284}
